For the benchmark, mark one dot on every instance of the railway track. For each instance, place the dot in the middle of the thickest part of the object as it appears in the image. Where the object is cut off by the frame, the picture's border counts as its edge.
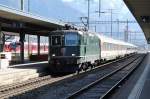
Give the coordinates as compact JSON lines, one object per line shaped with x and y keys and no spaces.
{"x":19,"y":88}
{"x":12,"y":89}
{"x":102,"y":87}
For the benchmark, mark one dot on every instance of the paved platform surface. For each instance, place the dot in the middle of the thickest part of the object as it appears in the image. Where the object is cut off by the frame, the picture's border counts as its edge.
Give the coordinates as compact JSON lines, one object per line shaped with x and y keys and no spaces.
{"x":28,"y":63}
{"x":145,"y":94}
{"x":22,"y":72}
{"x":138,"y":85}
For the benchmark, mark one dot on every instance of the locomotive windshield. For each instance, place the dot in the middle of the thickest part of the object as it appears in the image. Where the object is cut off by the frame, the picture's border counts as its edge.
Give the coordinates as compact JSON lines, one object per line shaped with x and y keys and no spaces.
{"x":71,"y":39}
{"x":56,"y":40}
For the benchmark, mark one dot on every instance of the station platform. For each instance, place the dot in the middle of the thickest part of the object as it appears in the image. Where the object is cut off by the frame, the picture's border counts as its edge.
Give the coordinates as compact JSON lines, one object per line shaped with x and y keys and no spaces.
{"x":29,"y":63}
{"x":138,"y":84}
{"x":22,"y":72}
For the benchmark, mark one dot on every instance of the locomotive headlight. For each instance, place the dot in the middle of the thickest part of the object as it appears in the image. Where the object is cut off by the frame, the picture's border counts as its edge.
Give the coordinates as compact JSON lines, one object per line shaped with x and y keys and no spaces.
{"x":53,"y":54}
{"x":73,"y":54}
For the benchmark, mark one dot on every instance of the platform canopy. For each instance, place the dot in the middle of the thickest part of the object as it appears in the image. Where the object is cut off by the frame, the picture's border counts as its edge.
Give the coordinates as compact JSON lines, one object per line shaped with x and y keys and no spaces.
{"x":13,"y":20}
{"x":141,"y":10}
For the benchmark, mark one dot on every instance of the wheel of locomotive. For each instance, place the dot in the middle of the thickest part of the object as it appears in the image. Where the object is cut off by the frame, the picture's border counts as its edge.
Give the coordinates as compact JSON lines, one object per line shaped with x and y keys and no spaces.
{"x":84,"y":66}
{"x":93,"y":65}
{"x":105,"y":60}
{"x":96,"y":62}
{"x":79,"y":68}
{"x":101,"y":61}
{"x":90,"y":65}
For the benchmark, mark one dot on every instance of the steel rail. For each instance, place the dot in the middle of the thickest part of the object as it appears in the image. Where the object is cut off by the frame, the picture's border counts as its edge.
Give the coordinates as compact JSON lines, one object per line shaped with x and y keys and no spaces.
{"x":120,"y":81}
{"x":87,"y":87}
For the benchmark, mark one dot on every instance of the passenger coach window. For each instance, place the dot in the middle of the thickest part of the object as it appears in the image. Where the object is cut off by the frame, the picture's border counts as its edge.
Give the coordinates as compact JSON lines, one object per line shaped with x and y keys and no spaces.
{"x":56,"y":40}
{"x":71,"y":39}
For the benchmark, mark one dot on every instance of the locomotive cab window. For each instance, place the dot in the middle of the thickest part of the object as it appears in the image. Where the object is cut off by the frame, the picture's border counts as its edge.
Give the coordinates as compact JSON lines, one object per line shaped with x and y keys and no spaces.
{"x":71,"y":39}
{"x":56,"y":40}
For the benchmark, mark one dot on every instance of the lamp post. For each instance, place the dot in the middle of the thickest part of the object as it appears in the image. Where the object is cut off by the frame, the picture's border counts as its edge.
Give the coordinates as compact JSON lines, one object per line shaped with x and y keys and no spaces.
{"x":99,"y":8}
{"x":88,"y":20}
{"x":118,"y":28}
{"x":111,"y":21}
{"x":22,"y":5}
{"x":28,"y":5}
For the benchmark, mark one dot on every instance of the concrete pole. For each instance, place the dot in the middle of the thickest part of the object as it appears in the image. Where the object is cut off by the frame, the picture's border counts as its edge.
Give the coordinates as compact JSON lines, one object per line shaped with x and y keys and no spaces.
{"x":135,"y":38}
{"x":22,"y":37}
{"x":1,"y":39}
{"x":22,"y":5}
{"x":88,"y":20}
{"x":127,"y":33}
{"x":118,"y":29}
{"x":28,"y":5}
{"x":111,"y":22}
{"x":38,"y":44}
{"x":99,"y":8}
{"x":49,"y":47}
{"x":95,"y":28}
{"x":28,"y":45}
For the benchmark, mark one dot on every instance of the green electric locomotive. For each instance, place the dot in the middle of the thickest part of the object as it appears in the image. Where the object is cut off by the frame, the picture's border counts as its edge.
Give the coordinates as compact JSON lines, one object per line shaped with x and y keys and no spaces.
{"x":72,"y":50}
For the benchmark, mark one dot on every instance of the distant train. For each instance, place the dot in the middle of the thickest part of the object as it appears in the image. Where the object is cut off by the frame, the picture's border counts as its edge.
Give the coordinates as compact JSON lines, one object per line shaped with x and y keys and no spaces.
{"x":31,"y":48}
{"x":73,"y":50}
{"x":12,"y":48}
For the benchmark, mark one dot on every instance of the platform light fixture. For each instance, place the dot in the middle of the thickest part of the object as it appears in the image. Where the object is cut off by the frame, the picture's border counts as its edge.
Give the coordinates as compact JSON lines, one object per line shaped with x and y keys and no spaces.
{"x":53,"y":55}
{"x":145,"y":19}
{"x":73,"y":55}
